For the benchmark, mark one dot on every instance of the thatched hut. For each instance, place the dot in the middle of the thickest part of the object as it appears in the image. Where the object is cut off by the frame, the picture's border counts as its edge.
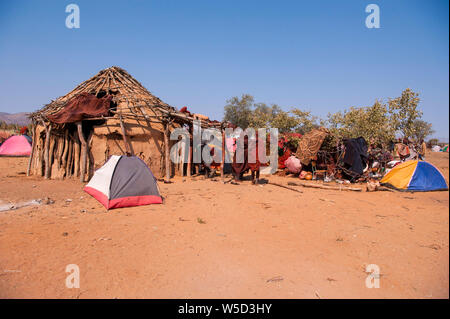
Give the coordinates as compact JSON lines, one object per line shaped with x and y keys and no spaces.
{"x":109,"y":114}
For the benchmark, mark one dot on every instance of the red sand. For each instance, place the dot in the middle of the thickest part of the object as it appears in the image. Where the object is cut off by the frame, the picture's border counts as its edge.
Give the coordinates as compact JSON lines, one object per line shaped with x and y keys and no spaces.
{"x":312,"y":245}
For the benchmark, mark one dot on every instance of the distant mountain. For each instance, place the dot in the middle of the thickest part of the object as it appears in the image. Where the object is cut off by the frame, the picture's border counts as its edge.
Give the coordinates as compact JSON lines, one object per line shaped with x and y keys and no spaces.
{"x":15,"y":118}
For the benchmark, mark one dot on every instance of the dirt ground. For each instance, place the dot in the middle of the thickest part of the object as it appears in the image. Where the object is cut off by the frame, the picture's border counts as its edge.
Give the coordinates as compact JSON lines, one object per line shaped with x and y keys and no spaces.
{"x":215,"y":240}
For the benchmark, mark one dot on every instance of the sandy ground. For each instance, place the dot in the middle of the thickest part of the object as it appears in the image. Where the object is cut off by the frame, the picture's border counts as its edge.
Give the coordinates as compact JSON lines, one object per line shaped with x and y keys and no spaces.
{"x":211,"y":240}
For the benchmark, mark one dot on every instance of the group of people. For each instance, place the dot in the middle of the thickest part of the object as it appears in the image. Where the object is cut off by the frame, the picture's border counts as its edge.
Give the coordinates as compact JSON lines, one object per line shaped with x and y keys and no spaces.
{"x":402,"y":149}
{"x":405,"y":149}
{"x":242,"y":161}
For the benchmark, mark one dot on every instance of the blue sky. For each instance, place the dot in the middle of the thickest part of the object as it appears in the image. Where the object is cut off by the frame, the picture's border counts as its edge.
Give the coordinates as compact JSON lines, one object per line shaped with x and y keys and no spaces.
{"x":315,"y":55}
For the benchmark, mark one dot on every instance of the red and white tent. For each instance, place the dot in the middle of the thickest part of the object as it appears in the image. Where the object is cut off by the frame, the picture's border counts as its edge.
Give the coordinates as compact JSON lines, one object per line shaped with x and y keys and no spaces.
{"x":124,"y":181}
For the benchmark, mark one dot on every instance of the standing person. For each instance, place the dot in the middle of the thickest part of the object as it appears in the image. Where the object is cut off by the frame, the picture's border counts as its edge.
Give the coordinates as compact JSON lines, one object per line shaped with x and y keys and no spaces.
{"x":422,"y":150}
{"x":240,"y":165}
{"x":391,"y":147}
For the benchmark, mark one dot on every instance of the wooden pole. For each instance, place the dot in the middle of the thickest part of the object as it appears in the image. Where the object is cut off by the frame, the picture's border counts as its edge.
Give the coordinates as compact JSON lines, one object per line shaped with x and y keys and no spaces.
{"x":91,"y":156}
{"x":70,"y":156}
{"x":337,"y":188}
{"x":287,"y":187}
{"x":66,"y":148}
{"x":47,"y":151}
{"x":76,"y":155}
{"x":125,"y":138}
{"x":83,"y":156}
{"x":33,"y":146}
{"x":166,"y":151}
{"x":189,"y":163}
{"x":52,"y":152}
{"x":222,"y":164}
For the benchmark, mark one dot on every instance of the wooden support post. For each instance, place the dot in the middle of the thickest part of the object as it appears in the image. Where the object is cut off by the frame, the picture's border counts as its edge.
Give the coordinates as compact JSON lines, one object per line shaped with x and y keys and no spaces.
{"x":48,"y":132}
{"x":52,"y":151}
{"x":83,"y":156}
{"x":189,"y":163}
{"x":33,"y":146}
{"x":125,"y":138}
{"x":76,"y":155}
{"x":166,"y":151}
{"x":66,"y":149}
{"x":90,"y":156}
{"x":70,"y":156}
{"x":222,"y":164}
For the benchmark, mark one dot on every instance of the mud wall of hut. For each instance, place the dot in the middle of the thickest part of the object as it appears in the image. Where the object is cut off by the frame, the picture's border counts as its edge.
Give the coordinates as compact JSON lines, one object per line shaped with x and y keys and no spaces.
{"x":65,"y":149}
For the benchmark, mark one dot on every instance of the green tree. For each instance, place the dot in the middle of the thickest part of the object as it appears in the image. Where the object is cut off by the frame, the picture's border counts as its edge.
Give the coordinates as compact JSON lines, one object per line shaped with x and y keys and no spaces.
{"x":420,"y":130}
{"x":238,"y":110}
{"x":305,"y":121}
{"x":244,"y":113}
{"x":262,"y":115}
{"x":404,"y":111}
{"x":372,"y":123}
{"x":284,"y":121}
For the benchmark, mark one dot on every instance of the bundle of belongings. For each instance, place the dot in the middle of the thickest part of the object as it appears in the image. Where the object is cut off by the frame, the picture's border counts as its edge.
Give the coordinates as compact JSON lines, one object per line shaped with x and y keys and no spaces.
{"x":293,"y":165}
{"x":436,"y":148}
{"x":402,"y":150}
{"x":286,"y":148}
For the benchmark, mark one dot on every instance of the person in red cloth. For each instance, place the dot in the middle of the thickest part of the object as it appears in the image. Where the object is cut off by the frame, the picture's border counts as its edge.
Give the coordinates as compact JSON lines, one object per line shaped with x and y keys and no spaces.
{"x":239,"y":169}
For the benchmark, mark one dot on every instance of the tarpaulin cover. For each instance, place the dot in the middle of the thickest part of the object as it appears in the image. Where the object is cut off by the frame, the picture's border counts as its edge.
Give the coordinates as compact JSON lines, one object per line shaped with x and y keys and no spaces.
{"x":356,"y":155}
{"x":309,"y":144}
{"x":17,"y":145}
{"x":418,"y":176}
{"x":82,"y":106}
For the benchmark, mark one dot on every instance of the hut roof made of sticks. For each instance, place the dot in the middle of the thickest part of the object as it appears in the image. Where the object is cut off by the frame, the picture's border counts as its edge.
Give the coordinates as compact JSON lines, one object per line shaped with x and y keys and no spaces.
{"x":131,"y":98}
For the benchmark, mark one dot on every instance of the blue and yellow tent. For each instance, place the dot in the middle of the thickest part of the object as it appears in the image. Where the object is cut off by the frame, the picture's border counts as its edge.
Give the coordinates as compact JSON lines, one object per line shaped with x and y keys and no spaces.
{"x":416,"y":176}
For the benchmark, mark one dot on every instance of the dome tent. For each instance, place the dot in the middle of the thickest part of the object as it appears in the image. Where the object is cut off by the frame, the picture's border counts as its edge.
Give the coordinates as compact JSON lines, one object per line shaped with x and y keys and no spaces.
{"x":16,"y":145}
{"x":417,"y":176}
{"x":124,"y":181}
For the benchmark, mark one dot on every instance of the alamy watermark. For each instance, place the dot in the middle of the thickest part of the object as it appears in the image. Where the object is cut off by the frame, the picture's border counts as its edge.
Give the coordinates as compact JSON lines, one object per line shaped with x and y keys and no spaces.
{"x":73,"y":19}
{"x":373,"y":19}
{"x":73,"y":279}
{"x":373,"y":279}
{"x":259,"y":145}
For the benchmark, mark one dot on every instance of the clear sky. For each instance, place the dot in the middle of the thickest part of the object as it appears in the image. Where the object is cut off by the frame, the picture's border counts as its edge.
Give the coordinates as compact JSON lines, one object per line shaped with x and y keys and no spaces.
{"x":315,"y":55}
